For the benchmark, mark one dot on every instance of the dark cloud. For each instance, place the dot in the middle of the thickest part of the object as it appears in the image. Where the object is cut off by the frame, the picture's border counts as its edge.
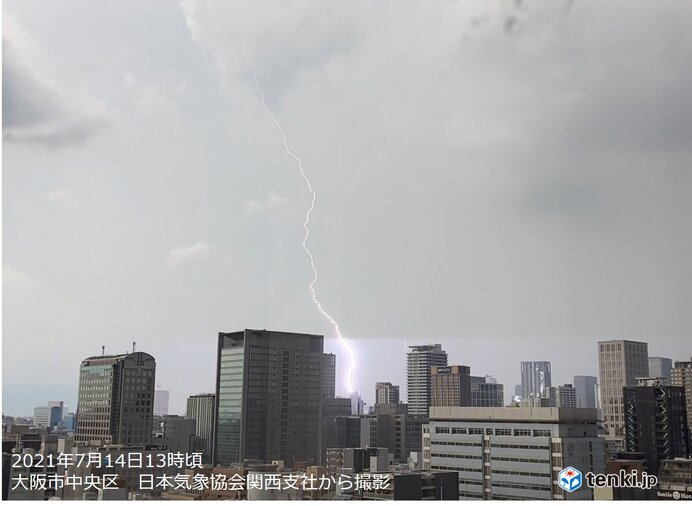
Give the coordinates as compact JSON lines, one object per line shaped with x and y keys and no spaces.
{"x":37,"y":110}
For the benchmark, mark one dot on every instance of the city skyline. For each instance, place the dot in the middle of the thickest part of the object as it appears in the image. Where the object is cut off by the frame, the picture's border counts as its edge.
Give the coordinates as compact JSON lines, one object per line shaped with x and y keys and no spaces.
{"x":486,"y":185}
{"x":368,"y":394}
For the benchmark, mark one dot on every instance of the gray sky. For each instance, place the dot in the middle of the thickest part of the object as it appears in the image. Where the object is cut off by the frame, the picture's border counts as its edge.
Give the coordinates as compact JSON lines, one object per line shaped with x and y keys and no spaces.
{"x":510,"y":179}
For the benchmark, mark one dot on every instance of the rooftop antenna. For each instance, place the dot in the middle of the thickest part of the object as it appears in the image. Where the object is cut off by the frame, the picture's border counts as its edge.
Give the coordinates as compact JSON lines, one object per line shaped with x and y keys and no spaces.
{"x":103,"y":351}
{"x":133,"y":346}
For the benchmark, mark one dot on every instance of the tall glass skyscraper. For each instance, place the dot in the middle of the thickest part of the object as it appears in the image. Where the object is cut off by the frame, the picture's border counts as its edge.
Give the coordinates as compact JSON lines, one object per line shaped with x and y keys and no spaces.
{"x":535,"y":379}
{"x":268,"y":390}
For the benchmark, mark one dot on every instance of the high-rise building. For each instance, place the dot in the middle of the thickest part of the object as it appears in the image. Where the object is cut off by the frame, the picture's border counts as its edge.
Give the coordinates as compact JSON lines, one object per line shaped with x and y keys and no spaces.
{"x":585,"y":389}
{"x":161,"y":398}
{"x":656,"y":421}
{"x":535,"y":379}
{"x":328,"y":375}
{"x":269,"y":402}
{"x":419,"y":362}
{"x":564,"y":396}
{"x":514,"y":453}
{"x":116,"y":399}
{"x":451,"y":385}
{"x":386,"y":393}
{"x":392,"y":427}
{"x":620,"y":363}
{"x":357,"y":404}
{"x":486,"y":392}
{"x":681,"y":376}
{"x":202,"y":409}
{"x":660,"y":367}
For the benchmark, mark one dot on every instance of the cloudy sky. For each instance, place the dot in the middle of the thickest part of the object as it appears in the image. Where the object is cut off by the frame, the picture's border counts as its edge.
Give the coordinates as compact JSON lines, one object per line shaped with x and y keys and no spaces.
{"x":512,"y":180}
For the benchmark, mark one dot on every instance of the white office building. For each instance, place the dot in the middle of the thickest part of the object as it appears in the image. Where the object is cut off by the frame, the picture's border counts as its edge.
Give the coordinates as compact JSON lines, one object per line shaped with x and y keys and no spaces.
{"x":513,"y":453}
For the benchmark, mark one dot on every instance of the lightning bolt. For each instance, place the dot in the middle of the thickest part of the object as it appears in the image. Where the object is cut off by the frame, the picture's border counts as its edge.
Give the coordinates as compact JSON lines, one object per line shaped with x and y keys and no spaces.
{"x":306,"y":223}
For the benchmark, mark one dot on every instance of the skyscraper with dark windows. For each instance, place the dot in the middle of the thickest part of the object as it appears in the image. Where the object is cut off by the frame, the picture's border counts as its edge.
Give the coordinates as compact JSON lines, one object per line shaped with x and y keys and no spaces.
{"x":269,"y":397}
{"x":116,"y":399}
{"x":535,"y":379}
{"x":419,"y":362}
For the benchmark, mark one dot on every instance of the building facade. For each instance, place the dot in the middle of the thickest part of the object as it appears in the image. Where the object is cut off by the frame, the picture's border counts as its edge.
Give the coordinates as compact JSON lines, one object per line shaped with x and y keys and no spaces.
{"x":116,"y":399}
{"x":202,"y":409}
{"x":419,"y":362}
{"x":486,"y":392}
{"x":660,"y":367}
{"x":451,"y":385}
{"x":656,"y":421}
{"x":514,"y":453}
{"x":328,"y":375}
{"x":620,"y":363}
{"x":585,"y":390}
{"x":563,"y":396}
{"x":535,"y":379}
{"x":681,"y":376}
{"x":269,"y":402}
{"x":386,"y":393}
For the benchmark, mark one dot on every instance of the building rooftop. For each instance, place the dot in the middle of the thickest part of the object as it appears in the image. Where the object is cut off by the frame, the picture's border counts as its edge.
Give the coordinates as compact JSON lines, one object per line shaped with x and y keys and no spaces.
{"x":514,"y":414}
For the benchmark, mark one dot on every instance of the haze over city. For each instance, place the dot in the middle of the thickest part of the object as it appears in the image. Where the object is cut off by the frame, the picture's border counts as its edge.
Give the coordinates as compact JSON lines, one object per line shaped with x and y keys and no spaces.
{"x":508,"y":179}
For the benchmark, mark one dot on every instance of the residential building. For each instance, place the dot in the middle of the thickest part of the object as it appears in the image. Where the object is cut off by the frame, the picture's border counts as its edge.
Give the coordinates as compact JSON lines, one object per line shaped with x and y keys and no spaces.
{"x":451,"y":385}
{"x":269,"y":402}
{"x":419,"y":362}
{"x":116,"y":396}
{"x":681,"y":376}
{"x":514,"y":453}
{"x":656,"y":421}
{"x":564,"y":396}
{"x":675,"y":480}
{"x":620,"y":363}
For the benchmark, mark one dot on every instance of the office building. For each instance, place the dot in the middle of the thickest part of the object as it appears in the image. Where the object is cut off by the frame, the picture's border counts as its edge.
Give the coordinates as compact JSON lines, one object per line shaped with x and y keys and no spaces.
{"x":660,"y":367}
{"x":202,"y":409}
{"x":619,"y":364}
{"x":386,"y":393}
{"x":486,"y":392}
{"x":161,"y":401}
{"x":70,"y":422}
{"x":514,"y":453}
{"x":585,"y":390}
{"x":393,"y":428}
{"x":333,"y":430}
{"x":179,"y":434}
{"x":656,"y":421}
{"x":47,"y":416}
{"x":416,"y":486}
{"x":628,"y":463}
{"x":451,"y":385}
{"x":535,"y":379}
{"x":681,"y":376}
{"x":564,"y":396}
{"x":116,"y":399}
{"x":269,"y":402}
{"x":419,"y":362}
{"x":328,"y":375}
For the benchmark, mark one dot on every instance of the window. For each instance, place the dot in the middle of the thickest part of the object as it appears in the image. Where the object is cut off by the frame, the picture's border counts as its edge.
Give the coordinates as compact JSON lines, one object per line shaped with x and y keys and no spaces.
{"x":522,"y":432}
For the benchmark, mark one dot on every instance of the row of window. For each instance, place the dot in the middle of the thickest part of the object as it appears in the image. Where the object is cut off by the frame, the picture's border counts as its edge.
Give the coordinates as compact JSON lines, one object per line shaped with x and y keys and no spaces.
{"x":489,"y":432}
